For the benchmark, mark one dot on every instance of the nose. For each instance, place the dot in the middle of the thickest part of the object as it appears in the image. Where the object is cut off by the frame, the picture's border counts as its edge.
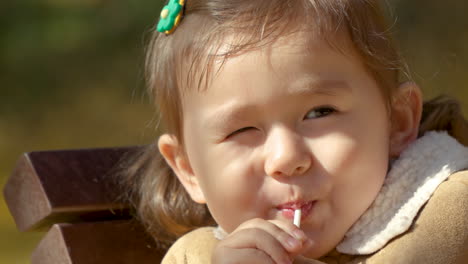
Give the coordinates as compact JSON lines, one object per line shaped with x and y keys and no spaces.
{"x":286,"y":153}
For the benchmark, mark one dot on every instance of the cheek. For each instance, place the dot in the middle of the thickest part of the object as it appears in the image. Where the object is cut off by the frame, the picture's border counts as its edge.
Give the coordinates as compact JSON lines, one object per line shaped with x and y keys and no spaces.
{"x":356,"y":159}
{"x":346,"y":150}
{"x":230,"y":185}
{"x":234,"y":198}
{"x":357,"y":164}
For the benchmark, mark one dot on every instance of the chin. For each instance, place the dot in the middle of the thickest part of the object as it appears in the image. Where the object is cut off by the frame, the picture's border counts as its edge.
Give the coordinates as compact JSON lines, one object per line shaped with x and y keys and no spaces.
{"x":321,"y":248}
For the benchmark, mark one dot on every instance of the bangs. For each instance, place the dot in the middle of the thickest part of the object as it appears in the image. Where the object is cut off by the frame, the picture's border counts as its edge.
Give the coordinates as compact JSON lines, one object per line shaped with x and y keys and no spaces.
{"x":214,"y":31}
{"x":233,"y":31}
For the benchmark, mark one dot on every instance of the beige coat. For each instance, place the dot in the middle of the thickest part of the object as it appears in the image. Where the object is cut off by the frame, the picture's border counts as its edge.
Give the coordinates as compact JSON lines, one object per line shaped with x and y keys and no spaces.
{"x":439,"y":235}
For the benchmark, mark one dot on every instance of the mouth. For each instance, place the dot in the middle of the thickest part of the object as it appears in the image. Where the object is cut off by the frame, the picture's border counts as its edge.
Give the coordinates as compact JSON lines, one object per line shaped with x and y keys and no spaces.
{"x":287,"y":209}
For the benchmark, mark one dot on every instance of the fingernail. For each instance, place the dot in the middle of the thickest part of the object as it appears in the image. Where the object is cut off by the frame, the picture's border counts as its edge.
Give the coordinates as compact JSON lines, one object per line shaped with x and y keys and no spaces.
{"x":309,"y":243}
{"x":292,"y":243}
{"x":299,"y":234}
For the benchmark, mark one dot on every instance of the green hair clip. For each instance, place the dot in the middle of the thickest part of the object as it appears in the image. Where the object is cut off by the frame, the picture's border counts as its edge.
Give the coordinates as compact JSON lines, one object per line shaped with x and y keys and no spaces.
{"x":171,"y":14}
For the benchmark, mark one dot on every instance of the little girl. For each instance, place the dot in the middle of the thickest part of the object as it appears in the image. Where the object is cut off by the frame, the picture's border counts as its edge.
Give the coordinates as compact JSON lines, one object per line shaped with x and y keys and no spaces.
{"x":272,"y":106}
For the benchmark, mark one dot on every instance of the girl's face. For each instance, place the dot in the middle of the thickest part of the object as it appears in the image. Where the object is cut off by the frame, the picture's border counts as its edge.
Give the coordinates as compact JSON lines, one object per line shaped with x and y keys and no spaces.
{"x":294,"y":125}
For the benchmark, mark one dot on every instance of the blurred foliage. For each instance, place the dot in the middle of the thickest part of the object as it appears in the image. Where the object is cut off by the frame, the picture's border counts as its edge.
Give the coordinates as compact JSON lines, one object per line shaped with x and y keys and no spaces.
{"x":71,"y":76}
{"x":433,"y":38}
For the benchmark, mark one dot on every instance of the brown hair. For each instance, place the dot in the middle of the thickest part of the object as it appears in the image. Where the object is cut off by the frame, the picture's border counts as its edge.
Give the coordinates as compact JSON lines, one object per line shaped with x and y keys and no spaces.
{"x":161,"y":202}
{"x":444,"y":113}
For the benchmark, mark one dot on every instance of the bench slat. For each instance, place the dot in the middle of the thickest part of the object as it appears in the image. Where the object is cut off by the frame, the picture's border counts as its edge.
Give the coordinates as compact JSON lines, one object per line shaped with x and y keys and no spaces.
{"x":99,"y":242}
{"x":64,"y":186}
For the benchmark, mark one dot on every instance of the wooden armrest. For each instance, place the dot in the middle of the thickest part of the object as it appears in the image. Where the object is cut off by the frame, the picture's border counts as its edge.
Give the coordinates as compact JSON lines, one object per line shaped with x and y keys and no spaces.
{"x":100,"y":242}
{"x":64,"y":186}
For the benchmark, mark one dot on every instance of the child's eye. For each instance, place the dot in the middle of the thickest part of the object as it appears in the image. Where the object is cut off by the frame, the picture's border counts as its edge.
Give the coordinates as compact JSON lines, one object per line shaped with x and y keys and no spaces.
{"x":319,"y":112}
{"x":238,"y":131}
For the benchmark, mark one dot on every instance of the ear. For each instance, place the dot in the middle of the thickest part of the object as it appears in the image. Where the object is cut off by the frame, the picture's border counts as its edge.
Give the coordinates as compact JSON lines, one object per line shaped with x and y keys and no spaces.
{"x":405,"y":117}
{"x":175,"y":156}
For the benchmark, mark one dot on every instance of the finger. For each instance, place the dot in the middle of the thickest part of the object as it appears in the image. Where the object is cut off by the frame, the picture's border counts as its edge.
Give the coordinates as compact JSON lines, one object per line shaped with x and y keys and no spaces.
{"x":294,"y":231}
{"x":291,"y":229}
{"x":288,"y":241}
{"x":307,"y":246}
{"x":257,"y":238}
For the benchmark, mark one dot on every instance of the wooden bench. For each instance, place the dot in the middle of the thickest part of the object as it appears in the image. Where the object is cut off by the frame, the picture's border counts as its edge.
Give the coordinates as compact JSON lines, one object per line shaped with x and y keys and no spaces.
{"x":72,"y":195}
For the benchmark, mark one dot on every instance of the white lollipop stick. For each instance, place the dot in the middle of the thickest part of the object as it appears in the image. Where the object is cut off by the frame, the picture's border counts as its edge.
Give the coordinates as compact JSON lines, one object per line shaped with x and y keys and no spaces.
{"x":297,"y":217}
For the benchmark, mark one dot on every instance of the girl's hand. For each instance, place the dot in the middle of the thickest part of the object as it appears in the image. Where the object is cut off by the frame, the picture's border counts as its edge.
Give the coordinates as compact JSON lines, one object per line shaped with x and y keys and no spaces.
{"x":262,"y":241}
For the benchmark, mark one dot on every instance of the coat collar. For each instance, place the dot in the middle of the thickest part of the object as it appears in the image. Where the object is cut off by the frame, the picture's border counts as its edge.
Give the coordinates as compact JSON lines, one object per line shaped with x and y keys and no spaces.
{"x":413,"y":178}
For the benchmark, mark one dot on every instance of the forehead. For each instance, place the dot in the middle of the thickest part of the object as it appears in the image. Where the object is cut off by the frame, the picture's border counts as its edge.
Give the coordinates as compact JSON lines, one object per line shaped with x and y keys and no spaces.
{"x":198,"y":70}
{"x":297,"y":63}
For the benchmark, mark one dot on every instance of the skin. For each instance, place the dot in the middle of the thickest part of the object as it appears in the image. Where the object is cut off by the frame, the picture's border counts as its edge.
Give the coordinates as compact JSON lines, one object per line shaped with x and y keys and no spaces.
{"x":293,"y":122}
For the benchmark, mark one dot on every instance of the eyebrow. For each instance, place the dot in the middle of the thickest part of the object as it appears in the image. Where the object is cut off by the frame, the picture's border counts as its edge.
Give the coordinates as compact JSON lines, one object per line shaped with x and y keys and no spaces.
{"x":230,"y":112}
{"x":324,"y":87}
{"x":233,"y":111}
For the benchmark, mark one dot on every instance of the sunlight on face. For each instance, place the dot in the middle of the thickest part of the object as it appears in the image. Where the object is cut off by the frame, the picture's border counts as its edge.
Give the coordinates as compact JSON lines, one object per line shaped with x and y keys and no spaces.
{"x":287,"y":127}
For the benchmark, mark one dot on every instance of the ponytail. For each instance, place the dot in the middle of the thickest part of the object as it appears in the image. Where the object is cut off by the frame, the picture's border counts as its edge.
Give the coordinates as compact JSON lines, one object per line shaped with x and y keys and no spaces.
{"x":161,"y":203}
{"x":444,"y":114}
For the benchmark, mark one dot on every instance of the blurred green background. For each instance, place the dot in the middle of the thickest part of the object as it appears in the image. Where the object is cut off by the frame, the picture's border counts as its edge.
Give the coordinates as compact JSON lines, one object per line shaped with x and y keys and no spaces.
{"x":71,"y":76}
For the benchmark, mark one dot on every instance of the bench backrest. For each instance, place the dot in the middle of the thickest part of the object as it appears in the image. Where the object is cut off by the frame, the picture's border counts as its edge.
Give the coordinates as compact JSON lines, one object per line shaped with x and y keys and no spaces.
{"x":72,"y":194}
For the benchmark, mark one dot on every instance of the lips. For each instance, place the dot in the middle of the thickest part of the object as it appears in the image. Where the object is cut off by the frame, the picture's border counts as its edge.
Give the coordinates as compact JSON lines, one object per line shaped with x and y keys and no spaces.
{"x":287,"y":209}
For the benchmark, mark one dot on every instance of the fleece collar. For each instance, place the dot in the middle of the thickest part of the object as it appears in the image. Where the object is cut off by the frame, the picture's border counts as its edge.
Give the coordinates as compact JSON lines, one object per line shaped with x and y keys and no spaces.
{"x":413,"y":178}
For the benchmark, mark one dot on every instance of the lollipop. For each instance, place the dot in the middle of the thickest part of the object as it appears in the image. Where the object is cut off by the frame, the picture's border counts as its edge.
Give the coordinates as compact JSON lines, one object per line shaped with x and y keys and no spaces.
{"x":297,"y":217}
